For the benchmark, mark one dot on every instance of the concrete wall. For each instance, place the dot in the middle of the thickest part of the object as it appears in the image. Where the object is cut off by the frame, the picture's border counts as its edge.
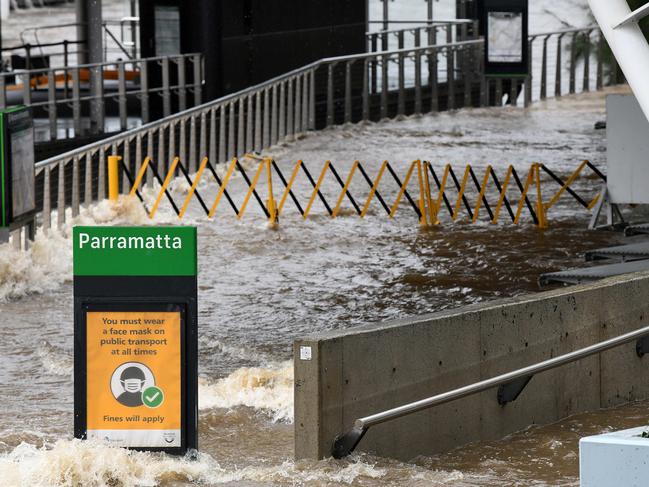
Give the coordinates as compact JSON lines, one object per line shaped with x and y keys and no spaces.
{"x":360,"y":371}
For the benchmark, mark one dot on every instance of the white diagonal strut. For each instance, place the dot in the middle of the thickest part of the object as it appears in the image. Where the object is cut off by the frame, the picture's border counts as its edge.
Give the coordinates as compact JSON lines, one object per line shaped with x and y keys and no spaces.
{"x":629,"y":45}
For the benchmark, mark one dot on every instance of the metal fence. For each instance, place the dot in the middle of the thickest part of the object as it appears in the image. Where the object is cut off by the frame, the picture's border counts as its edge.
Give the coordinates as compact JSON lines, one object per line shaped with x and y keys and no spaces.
{"x":426,"y":35}
{"x":120,"y":87}
{"x":331,"y":91}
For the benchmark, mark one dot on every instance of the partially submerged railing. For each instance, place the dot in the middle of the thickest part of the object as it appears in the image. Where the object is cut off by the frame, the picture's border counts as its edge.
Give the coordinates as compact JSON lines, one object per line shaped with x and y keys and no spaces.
{"x":69,"y":91}
{"x":421,"y":35}
{"x":510,"y":386}
{"x":346,"y":89}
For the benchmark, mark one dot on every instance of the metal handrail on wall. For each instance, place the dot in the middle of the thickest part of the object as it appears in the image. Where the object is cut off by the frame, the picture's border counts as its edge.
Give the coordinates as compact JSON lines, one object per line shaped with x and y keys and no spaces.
{"x":347,"y":442}
{"x":331,"y":91}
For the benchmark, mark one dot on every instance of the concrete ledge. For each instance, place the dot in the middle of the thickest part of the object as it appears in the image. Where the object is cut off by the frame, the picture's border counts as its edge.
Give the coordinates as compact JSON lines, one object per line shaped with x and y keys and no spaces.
{"x":364,"y":370}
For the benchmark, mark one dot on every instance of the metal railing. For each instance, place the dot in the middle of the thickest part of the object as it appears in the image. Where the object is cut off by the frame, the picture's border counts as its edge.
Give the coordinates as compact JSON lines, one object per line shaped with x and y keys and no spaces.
{"x":421,"y":35}
{"x":346,"y":443}
{"x":330,"y":91}
{"x":346,"y":89}
{"x":69,"y":91}
{"x":572,"y":60}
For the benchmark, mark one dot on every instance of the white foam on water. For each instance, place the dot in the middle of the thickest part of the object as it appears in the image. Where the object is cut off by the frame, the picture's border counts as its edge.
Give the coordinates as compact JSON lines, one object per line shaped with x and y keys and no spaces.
{"x":48,"y":262}
{"x":55,"y":360}
{"x":72,"y":463}
{"x":268,"y":389}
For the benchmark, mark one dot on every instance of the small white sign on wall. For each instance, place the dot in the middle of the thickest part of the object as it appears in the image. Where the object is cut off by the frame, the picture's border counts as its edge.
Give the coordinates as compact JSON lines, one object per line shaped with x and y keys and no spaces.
{"x":305,"y":353}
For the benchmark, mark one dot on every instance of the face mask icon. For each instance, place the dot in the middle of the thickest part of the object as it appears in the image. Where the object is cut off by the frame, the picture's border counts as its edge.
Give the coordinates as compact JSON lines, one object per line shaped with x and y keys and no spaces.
{"x":132,"y":385}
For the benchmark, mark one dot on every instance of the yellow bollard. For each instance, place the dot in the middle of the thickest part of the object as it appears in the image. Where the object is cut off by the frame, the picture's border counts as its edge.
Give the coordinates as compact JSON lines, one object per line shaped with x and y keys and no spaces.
{"x":113,"y":177}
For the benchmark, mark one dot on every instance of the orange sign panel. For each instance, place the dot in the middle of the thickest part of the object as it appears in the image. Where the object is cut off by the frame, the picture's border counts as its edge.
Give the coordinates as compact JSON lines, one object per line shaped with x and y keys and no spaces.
{"x":134,"y":377}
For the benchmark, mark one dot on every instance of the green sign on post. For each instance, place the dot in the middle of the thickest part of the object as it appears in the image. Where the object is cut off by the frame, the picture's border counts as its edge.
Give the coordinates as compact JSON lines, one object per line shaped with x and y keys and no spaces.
{"x":136,"y":341}
{"x":134,"y":251}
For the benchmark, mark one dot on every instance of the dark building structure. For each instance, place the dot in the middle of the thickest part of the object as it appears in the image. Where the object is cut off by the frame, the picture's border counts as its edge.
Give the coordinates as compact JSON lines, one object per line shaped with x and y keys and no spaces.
{"x":246,"y":42}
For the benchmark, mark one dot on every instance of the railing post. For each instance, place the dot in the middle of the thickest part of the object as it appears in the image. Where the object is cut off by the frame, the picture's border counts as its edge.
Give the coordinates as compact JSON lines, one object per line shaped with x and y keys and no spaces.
{"x":121,"y":95}
{"x":101,"y":186}
{"x":213,"y":152}
{"x":467,"y":58}
{"x":87,"y":187}
{"x":417,"y":82}
{"x":273,"y":117}
{"x":297,"y":121}
{"x":513,"y":92}
{"x":27,"y":89}
{"x":586,"y":84}
{"x":51,"y":103}
{"x":182,"y":83}
{"x":223,"y":156}
{"x":374,"y":72}
{"x":241,"y":136}
{"x":97,"y":102}
{"x":385,"y":59}
{"x":433,"y":80}
{"x":305,"y":103}
{"x":450,"y":77}
{"x":557,"y":75}
{"x":231,"y":126}
{"x":257,"y":122}
{"x":573,"y":61}
{"x":250,"y":141}
{"x":366,"y":101}
{"x":47,"y":199}
{"x":166,"y":93}
{"x":202,"y":144}
{"x":330,"y":95}
{"x":528,"y":81}
{"x":75,"y":187}
{"x":282,"y":110}
{"x":348,"y":92}
{"x":544,"y":69}
{"x":144,"y":95}
{"x":289,"y":110}
{"x":600,"y":62}
{"x":192,"y":165}
{"x":60,"y":200}
{"x":266,"y":131}
{"x":401,"y":103}
{"x":312,"y":100}
{"x":198,"y":79}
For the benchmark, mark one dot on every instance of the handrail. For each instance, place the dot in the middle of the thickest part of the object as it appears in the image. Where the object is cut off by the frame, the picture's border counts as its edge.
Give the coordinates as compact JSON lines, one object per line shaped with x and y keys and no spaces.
{"x":564,"y":31}
{"x":240,"y":94}
{"x":434,"y":23}
{"x":347,"y":442}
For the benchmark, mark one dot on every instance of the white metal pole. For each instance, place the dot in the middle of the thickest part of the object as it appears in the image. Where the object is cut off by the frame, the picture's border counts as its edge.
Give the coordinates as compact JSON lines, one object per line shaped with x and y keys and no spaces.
{"x":628,"y":44}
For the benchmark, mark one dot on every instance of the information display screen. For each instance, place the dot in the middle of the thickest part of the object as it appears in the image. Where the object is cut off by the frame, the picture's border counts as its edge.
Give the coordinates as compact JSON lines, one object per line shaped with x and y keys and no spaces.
{"x":505,"y":37}
{"x":504,"y":24}
{"x":21,"y":143}
{"x":134,"y":376}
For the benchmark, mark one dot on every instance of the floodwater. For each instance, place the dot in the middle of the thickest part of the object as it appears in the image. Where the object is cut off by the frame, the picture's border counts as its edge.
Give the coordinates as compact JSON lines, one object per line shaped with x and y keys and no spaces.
{"x":261,"y":287}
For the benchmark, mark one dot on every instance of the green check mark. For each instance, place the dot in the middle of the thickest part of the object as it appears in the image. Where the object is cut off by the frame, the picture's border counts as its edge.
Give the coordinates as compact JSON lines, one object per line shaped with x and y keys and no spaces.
{"x":152,"y":397}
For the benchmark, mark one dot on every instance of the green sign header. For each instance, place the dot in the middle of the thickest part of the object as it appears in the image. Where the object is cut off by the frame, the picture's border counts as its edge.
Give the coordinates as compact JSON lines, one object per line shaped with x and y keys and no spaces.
{"x":134,"y":251}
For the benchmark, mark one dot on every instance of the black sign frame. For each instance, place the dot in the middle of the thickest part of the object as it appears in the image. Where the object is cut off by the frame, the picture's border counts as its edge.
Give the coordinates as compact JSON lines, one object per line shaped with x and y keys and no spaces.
{"x":7,"y":127}
{"x":140,"y":293}
{"x":499,"y":68}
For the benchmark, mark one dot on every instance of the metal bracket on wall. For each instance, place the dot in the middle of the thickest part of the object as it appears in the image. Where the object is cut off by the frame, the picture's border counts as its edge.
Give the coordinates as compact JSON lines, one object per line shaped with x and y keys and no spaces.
{"x":614,"y":218}
{"x":509,"y":392}
{"x":642,"y":346}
